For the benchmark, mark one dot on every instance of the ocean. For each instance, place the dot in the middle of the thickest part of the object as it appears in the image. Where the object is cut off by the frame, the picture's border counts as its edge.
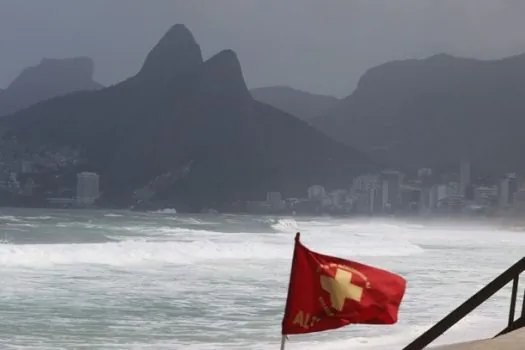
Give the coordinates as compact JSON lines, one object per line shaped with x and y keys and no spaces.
{"x":126,"y":280}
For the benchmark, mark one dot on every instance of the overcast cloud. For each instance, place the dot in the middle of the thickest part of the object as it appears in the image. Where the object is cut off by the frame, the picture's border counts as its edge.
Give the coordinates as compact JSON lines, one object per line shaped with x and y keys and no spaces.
{"x":321,"y":46}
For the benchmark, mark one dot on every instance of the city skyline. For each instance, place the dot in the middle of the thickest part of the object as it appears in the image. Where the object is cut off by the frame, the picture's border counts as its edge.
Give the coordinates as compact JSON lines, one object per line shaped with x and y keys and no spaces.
{"x":213,"y":82}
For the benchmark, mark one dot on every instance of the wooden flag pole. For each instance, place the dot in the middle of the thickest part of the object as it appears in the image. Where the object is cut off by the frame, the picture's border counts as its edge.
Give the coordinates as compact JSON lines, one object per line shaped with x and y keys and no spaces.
{"x":283,"y":342}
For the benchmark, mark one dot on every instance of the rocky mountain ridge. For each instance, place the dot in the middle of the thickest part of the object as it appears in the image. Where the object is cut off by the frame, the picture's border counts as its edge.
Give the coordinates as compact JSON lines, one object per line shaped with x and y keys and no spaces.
{"x":180,"y":110}
{"x":50,"y":78}
{"x":436,"y":111}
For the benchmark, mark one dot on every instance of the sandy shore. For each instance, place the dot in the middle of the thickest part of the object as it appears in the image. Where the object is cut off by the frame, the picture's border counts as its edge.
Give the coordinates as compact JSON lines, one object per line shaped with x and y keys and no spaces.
{"x":512,"y":341}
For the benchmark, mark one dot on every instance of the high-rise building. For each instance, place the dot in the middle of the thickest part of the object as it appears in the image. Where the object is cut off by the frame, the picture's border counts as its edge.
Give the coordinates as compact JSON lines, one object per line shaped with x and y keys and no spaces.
{"x":507,"y":188}
{"x":338,"y":197}
{"x":464,"y":176}
{"x":519,"y":201}
{"x":424,"y":199}
{"x":394,"y":180}
{"x":363,"y":183}
{"x":87,"y":188}
{"x":385,"y":204}
{"x":485,"y":195}
{"x":363,"y":204}
{"x":504,"y":193}
{"x":433,"y":198}
{"x":368,"y":189}
{"x":513,"y":186}
{"x":275,"y":201}
{"x":316,"y":192}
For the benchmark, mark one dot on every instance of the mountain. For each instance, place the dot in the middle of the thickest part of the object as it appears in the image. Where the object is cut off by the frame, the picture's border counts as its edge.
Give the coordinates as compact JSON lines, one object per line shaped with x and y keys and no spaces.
{"x":303,"y":105}
{"x":50,"y":78}
{"x":436,"y":111}
{"x":191,"y":121}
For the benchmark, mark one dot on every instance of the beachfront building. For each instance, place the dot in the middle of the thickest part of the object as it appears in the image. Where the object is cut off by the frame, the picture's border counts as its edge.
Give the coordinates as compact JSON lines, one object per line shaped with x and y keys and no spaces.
{"x":87,"y":188}
{"x":464,"y":177}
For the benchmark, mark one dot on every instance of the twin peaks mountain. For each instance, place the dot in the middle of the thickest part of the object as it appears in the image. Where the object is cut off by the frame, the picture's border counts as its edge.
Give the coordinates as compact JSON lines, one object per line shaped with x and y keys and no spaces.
{"x":180,"y":112}
{"x":50,"y":78}
{"x":435,"y":112}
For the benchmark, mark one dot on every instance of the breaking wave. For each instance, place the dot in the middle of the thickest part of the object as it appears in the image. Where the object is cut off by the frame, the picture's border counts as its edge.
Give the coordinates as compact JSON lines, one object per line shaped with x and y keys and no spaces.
{"x":285,"y":225}
{"x":166,"y":211}
{"x":140,"y":241}
{"x":130,"y":253}
{"x":164,"y":250}
{"x":20,"y":234}
{"x":9,"y":218}
{"x":113,"y":215}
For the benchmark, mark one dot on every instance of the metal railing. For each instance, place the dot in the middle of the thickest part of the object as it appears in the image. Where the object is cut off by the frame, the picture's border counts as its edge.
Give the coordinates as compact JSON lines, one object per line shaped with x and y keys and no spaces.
{"x":511,"y":274}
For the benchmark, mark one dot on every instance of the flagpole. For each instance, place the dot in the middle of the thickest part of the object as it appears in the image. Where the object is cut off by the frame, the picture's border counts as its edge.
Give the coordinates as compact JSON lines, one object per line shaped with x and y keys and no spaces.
{"x":296,"y":240}
{"x":283,"y":341}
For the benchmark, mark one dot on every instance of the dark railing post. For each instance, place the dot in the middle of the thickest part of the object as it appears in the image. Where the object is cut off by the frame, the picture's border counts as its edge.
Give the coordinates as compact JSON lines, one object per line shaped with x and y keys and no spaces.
{"x":513,"y":298}
{"x":523,"y":305}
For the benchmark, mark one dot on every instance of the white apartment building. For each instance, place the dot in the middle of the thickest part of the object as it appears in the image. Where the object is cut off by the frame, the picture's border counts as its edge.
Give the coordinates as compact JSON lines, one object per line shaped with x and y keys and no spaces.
{"x":87,"y":188}
{"x":464,"y":177}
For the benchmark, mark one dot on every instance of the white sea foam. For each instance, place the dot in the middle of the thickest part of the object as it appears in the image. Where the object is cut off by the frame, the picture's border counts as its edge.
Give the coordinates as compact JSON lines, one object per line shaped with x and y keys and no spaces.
{"x":165,"y":285}
{"x":9,"y":218}
{"x":168,"y":231}
{"x":468,"y":329}
{"x":286,"y":225}
{"x":42,"y":217}
{"x":188,"y":221}
{"x":166,"y":211}
{"x":113,"y":215}
{"x":20,"y":225}
{"x":189,"y":249}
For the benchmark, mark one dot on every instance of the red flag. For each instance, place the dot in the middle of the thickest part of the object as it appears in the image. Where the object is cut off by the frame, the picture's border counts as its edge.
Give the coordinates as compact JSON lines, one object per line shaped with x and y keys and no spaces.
{"x":326,"y":292}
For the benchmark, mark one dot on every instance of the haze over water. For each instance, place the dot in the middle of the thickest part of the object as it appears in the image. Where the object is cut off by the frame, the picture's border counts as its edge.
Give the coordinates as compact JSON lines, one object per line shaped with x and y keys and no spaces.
{"x":121,"y":280}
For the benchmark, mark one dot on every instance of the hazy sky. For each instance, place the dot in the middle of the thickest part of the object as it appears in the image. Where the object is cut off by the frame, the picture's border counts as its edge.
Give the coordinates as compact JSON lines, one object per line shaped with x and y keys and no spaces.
{"x":321,"y":46}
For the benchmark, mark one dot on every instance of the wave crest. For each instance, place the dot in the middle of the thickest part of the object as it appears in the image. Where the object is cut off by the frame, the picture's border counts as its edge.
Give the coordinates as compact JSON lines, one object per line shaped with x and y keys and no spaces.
{"x":286,"y":225}
{"x":160,"y":250}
